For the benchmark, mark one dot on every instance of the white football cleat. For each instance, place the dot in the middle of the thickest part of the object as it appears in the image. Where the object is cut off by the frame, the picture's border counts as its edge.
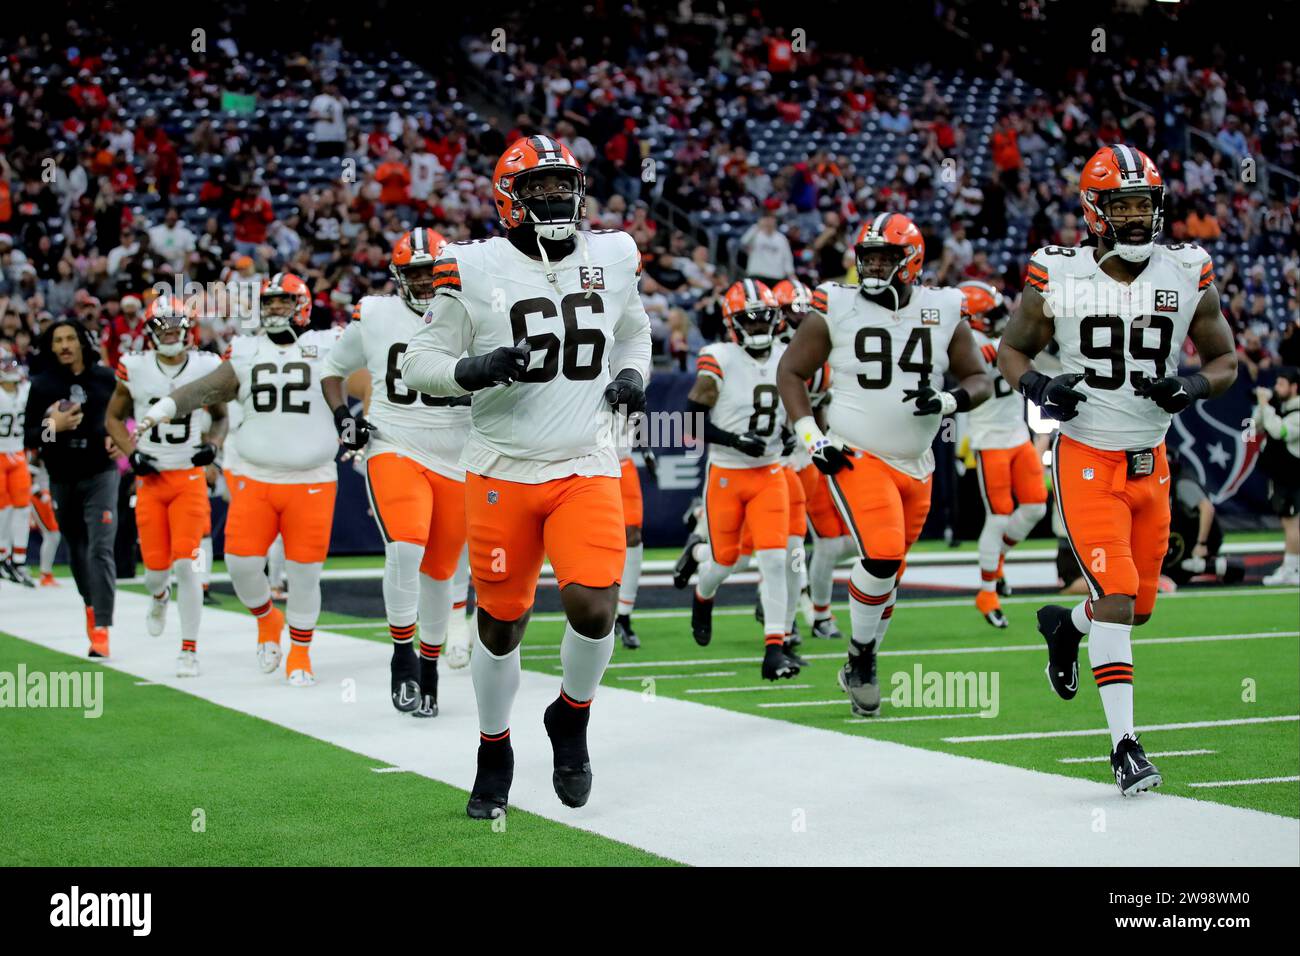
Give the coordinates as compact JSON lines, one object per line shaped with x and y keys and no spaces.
{"x":187,"y":665}
{"x":155,"y":619}
{"x":301,"y":678}
{"x":456,"y":650}
{"x":268,"y":656}
{"x":806,"y":608}
{"x":1283,"y":577}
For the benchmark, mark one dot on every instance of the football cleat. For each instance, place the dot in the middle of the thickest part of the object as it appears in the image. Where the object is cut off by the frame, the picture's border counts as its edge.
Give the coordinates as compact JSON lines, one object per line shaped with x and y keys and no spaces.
{"x":187,"y":665}
{"x":298,"y":667}
{"x":701,"y":620}
{"x":456,"y":650}
{"x":623,"y":628}
{"x":1062,"y":649}
{"x":17,"y":573}
{"x":988,"y":605}
{"x":826,"y":629}
{"x":269,"y":627}
{"x":806,"y":608}
{"x":1133,"y":771}
{"x":777,"y":664}
{"x":788,"y":650}
{"x":496,"y":771}
{"x":1003,"y":588}
{"x":566,"y":725}
{"x":404,"y":684}
{"x":99,"y":643}
{"x":858,"y":679}
{"x":428,"y":688}
{"x":686,"y":564}
{"x":155,"y":619}
{"x":48,"y":580}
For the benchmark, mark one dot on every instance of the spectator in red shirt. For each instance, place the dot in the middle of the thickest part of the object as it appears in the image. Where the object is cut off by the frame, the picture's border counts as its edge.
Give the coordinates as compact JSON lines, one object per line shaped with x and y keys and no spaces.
{"x":394,"y":179}
{"x":250,"y":214}
{"x":125,"y":332}
{"x":1006,"y":152}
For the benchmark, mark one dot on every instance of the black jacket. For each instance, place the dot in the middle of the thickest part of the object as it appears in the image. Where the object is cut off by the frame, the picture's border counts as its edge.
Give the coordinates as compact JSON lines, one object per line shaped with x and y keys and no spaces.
{"x":79,"y":453}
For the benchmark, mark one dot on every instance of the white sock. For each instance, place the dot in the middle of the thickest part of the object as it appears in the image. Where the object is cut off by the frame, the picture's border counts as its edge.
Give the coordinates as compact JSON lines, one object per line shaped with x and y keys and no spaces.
{"x":990,"y":548}
{"x":302,"y":610}
{"x":6,"y":522}
{"x":21,"y":530}
{"x":276,"y":570}
{"x":496,"y":682}
{"x":248,"y":577}
{"x":156,"y":582}
{"x":1080,"y":618}
{"x":205,"y":572}
{"x":1023,"y":520}
{"x":631,"y":581}
{"x":772,"y":589}
{"x":1291,"y":562}
{"x":794,"y":566}
{"x":49,"y":550}
{"x":460,"y":580}
{"x":189,"y":599}
{"x":1110,"y":653}
{"x":435,"y":610}
{"x":583,"y":661}
{"x":886,"y":615}
{"x":868,"y":596}
{"x":821,"y":572}
{"x":710,"y":578}
{"x":401,"y":582}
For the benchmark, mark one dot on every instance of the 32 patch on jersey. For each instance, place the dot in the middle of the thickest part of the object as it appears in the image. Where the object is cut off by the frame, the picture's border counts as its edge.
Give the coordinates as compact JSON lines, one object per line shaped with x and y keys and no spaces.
{"x":308,"y":351}
{"x":929,"y":316}
{"x":1166,"y":300}
{"x":592,"y":277}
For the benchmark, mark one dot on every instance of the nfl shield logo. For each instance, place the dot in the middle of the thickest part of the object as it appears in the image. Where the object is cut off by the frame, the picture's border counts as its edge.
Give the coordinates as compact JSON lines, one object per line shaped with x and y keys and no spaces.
{"x":1087,"y":474}
{"x":492,"y":497}
{"x":722,"y":482}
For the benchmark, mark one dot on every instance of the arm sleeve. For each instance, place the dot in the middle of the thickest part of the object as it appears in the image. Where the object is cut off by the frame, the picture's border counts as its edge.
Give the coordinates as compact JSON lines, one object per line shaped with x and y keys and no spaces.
{"x":1270,"y":421}
{"x":632,"y":346}
{"x":429,"y":363}
{"x":347,"y":354}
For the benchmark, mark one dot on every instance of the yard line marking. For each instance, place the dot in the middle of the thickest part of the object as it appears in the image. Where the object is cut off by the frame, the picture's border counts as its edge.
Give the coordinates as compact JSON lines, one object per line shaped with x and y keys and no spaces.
{"x":1190,"y":725}
{"x":737,"y":690}
{"x":887,"y":720}
{"x":1164,"y":753}
{"x":925,"y":651}
{"x":145,"y":683}
{"x":675,"y":676}
{"x":389,"y":770}
{"x":1245,"y":783}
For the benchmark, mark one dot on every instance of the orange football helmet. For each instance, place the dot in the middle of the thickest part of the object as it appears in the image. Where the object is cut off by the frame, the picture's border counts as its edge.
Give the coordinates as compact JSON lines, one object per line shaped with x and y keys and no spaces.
{"x":167,"y":312}
{"x":413,"y":257}
{"x":278,"y":288}
{"x":890,"y":229}
{"x":1115,"y":171}
{"x":982,"y":306}
{"x":556,"y":213}
{"x":751,"y":314}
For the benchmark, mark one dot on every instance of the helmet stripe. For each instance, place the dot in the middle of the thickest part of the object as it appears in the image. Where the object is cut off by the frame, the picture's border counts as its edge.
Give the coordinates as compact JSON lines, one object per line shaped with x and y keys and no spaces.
{"x":878,"y":227}
{"x":417,"y":240}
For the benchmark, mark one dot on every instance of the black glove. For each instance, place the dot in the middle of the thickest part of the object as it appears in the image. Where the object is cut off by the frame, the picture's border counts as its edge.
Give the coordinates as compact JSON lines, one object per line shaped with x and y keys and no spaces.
{"x":354,"y":431}
{"x":787,"y":442}
{"x":749,"y":444}
{"x":927,"y":400}
{"x":651,"y":464}
{"x":1055,"y":397}
{"x":143,"y":464}
{"x":501,"y":366}
{"x":627,"y":390}
{"x":206,"y":455}
{"x":830,"y":458}
{"x":1173,"y":394}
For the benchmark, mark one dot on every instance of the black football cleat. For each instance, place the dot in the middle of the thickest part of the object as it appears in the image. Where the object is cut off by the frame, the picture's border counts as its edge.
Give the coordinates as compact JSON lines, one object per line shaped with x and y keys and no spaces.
{"x":701,"y":620}
{"x":1002,"y":587}
{"x":17,"y":573}
{"x":777,"y":665}
{"x":758,"y":610}
{"x":1062,"y":649}
{"x":1133,"y":771}
{"x":404,"y":683}
{"x":788,"y":649}
{"x":686,"y":564}
{"x":996,"y":618}
{"x":858,"y":679}
{"x":566,"y":725}
{"x":496,"y":771}
{"x":623,"y":628}
{"x":428,"y":688}
{"x":826,"y":629}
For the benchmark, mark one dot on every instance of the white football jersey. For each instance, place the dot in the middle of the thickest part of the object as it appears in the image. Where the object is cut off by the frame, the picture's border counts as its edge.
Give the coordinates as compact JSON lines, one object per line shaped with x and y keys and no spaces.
{"x":287,"y":432}
{"x":1115,"y":332}
{"x":429,"y":429}
{"x":230,"y":460}
{"x":13,"y":410}
{"x":148,"y":380}
{"x":748,"y":401}
{"x":582,"y":329}
{"x":999,"y":422}
{"x":877,"y":354}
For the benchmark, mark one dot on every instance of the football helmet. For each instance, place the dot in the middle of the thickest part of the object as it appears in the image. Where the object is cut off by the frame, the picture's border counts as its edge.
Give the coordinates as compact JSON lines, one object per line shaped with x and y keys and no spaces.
{"x":982,"y":307}
{"x":890,"y":230}
{"x":167,"y":313}
{"x":538,"y":181}
{"x":412,"y":266}
{"x":795,"y":299}
{"x":1115,"y":172}
{"x":751,"y":314}
{"x":284,"y":302}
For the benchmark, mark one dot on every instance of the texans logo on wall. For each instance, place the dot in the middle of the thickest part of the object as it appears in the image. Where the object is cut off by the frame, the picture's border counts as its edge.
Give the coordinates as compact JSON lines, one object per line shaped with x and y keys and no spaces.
{"x":1211,"y":438}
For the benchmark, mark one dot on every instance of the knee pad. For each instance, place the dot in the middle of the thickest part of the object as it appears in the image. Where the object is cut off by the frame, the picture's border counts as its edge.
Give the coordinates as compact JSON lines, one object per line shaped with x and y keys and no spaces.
{"x":881,"y":569}
{"x":1034,"y":512}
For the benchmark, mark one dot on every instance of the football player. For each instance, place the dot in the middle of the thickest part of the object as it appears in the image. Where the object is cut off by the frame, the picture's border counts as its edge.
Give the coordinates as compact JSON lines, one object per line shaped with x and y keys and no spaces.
{"x":287,"y":444}
{"x":1009,"y":469}
{"x":629,"y":484}
{"x":889,"y":343}
{"x":546,"y":328}
{"x":171,"y":491}
{"x":15,"y":479}
{"x":43,"y":518}
{"x":1120,"y":311}
{"x":746,"y":487}
{"x":416,"y":485}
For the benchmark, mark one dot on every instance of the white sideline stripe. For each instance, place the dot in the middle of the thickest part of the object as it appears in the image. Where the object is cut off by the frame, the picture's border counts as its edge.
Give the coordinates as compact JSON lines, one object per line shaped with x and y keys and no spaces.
{"x":746,"y":690}
{"x":659,"y":760}
{"x":1189,"y":725}
{"x":892,"y":720}
{"x":145,"y":683}
{"x":1245,"y":783}
{"x":389,"y":770}
{"x":1163,"y":753}
{"x":657,"y":677}
{"x":929,"y":651}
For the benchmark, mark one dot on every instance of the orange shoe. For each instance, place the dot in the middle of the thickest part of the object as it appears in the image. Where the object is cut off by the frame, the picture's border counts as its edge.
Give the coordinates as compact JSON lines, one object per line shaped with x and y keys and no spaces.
{"x":991,"y":608}
{"x":298,"y":666}
{"x":48,"y":580}
{"x":269,"y":627}
{"x":90,"y":622}
{"x":99,"y":643}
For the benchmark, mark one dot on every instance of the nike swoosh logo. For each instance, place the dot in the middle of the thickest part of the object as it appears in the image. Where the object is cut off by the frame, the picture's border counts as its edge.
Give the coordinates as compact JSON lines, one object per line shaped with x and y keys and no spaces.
{"x":1074,"y":679}
{"x":402,"y":697}
{"x":313,"y":491}
{"x":1164,"y":479}
{"x":195,"y":477}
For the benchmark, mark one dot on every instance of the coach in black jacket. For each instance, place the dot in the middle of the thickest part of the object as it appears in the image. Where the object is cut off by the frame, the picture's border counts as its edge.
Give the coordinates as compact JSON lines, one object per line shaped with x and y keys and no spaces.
{"x":64,"y":423}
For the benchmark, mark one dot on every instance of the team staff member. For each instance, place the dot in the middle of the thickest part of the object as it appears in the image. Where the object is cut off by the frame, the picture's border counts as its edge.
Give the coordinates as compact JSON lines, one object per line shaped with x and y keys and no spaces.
{"x":65,"y":425}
